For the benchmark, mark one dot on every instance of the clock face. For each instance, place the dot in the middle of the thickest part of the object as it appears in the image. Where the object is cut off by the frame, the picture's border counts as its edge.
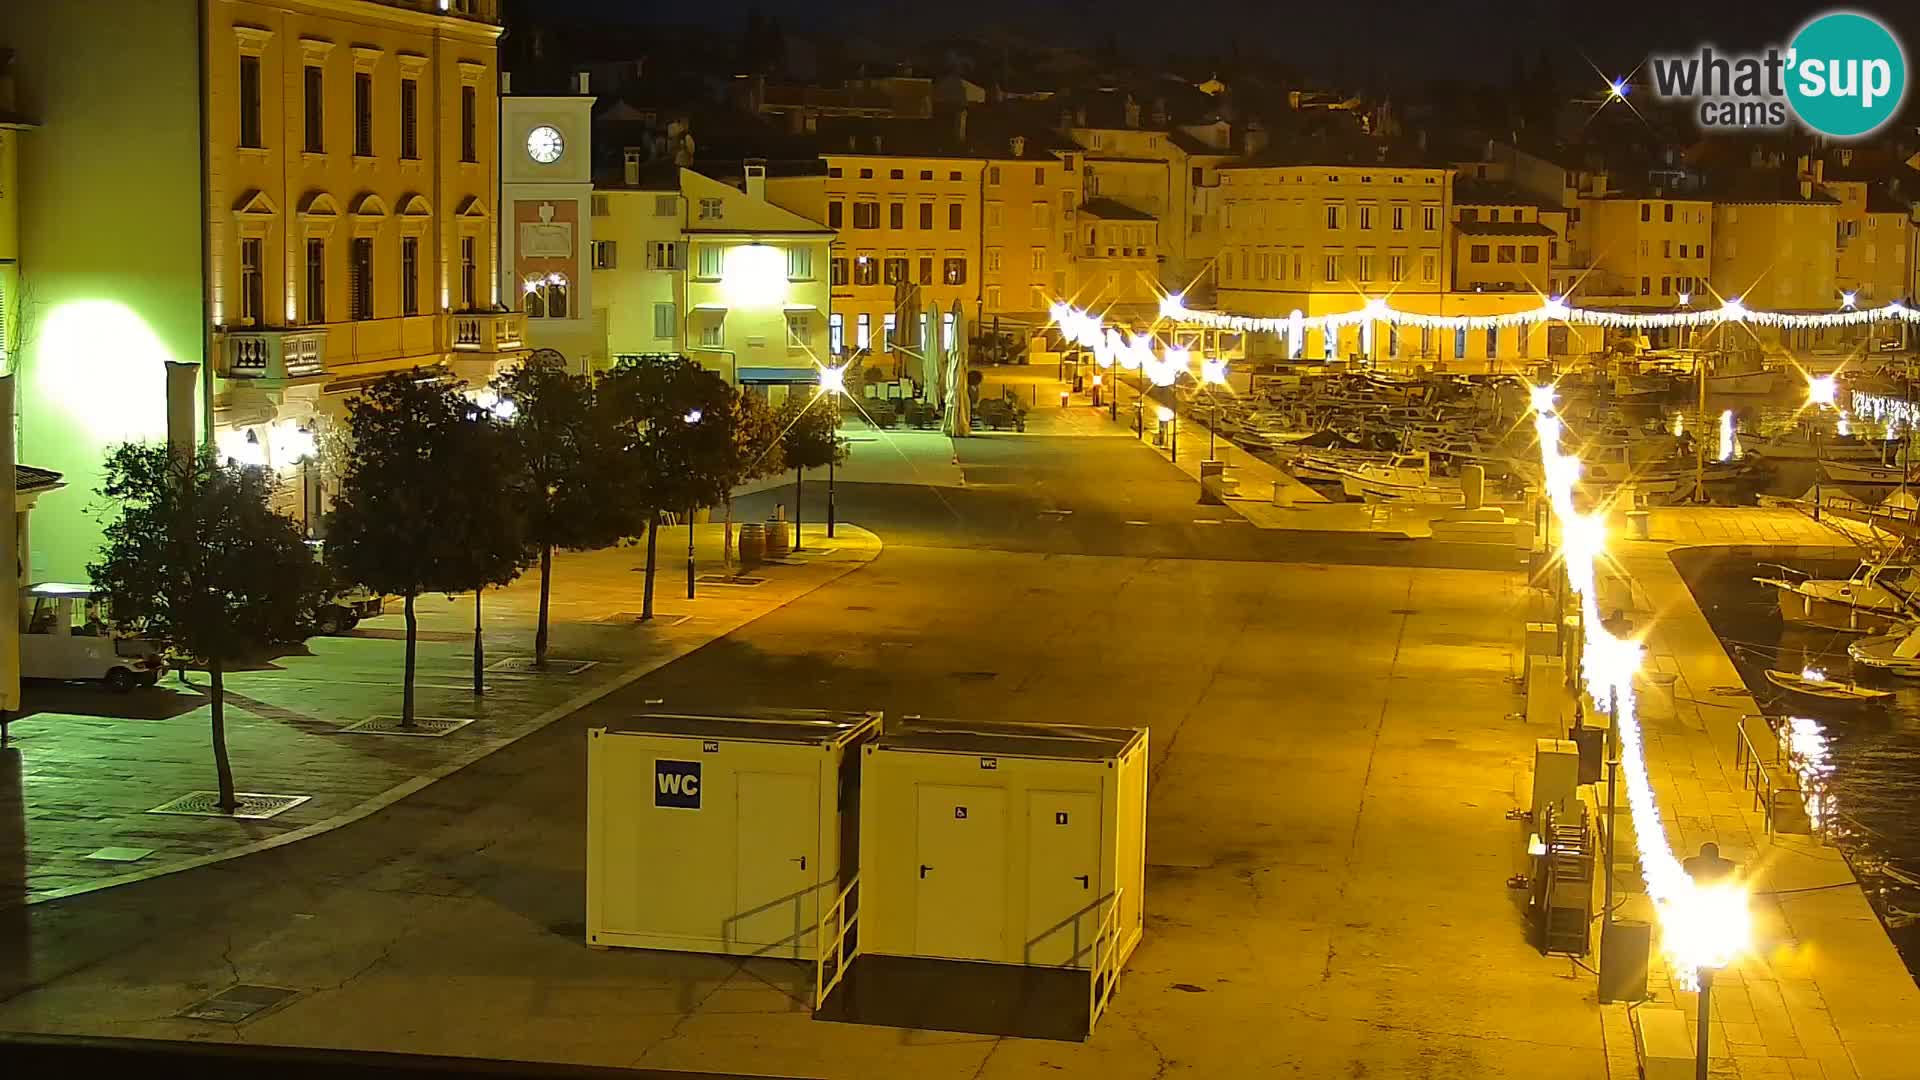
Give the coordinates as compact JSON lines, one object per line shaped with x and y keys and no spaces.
{"x":544,"y":145}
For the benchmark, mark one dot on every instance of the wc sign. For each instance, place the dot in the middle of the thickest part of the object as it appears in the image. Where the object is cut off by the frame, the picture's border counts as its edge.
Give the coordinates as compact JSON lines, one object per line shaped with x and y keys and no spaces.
{"x":676,"y":784}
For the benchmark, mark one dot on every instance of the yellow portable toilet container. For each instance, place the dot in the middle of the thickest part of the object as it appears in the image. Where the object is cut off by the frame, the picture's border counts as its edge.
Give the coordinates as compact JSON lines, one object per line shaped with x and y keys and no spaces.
{"x":1006,"y":843}
{"x":721,"y":833}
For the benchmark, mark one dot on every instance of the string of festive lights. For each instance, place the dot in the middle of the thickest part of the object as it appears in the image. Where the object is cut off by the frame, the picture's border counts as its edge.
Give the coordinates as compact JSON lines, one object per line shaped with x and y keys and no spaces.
{"x":1553,"y":309}
{"x":1702,"y":926}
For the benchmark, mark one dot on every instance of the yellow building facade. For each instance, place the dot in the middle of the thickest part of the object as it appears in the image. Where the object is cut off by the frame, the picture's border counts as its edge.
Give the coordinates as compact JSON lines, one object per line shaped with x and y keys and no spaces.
{"x":245,"y":209}
{"x":900,"y":223}
{"x":1323,"y":239}
{"x":702,"y":268}
{"x":1026,"y":234}
{"x":1647,"y":251}
{"x":351,"y":180}
{"x":1873,"y":246}
{"x":1777,"y":254}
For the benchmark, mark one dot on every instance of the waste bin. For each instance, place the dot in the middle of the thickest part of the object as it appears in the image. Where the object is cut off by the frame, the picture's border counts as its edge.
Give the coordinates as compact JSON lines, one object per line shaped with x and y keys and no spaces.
{"x":1639,"y":526}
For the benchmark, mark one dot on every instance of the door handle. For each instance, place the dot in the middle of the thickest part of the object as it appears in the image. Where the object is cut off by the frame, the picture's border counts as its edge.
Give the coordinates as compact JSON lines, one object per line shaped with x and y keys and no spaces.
{"x":1082,"y":879}
{"x":923,"y":871}
{"x":802,"y":860}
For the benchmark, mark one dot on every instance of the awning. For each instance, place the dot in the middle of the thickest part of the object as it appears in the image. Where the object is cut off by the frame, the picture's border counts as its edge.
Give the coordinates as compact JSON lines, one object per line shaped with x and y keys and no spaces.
{"x":807,"y":374}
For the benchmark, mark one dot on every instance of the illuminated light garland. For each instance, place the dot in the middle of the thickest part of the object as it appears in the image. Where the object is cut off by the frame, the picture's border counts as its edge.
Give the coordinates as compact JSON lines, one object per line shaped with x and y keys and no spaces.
{"x":1702,"y":926}
{"x":1553,"y":309}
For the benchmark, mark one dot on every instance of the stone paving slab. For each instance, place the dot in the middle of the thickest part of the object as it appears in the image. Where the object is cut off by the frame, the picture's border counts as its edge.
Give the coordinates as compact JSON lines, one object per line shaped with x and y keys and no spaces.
{"x":87,"y":765}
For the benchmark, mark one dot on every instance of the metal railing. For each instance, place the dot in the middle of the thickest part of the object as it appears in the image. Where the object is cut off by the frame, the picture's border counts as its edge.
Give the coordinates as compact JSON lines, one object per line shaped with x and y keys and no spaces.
{"x":834,"y":954}
{"x":1105,"y":969}
{"x":1771,"y":784}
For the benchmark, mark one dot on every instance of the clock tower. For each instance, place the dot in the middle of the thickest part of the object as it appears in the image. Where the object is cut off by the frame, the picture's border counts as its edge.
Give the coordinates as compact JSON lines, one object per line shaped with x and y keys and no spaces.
{"x":546,"y":219}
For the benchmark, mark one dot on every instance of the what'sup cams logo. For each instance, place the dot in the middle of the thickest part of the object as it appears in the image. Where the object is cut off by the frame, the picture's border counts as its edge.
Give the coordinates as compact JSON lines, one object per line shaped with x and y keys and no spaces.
{"x":1844,"y":76}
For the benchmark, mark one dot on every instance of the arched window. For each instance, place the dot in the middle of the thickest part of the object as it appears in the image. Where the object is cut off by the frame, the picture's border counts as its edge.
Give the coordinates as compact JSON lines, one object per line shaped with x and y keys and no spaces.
{"x":547,"y":297}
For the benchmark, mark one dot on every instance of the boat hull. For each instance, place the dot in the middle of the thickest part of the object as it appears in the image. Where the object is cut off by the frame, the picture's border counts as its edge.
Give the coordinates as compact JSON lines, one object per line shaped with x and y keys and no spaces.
{"x":1803,"y":610}
{"x":1752,"y":382}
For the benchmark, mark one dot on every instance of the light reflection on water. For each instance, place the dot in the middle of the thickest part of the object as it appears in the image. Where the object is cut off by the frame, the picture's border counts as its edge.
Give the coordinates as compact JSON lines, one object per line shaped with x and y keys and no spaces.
{"x":1869,"y":761}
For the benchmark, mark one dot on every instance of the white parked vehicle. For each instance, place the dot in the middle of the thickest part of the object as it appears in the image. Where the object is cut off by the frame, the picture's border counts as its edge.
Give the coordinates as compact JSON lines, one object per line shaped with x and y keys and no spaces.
{"x":66,"y":636}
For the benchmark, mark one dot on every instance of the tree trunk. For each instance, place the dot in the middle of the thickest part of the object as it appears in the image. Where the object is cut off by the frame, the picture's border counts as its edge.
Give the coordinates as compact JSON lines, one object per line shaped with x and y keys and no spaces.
{"x":406,"y":692}
{"x":799,"y":492}
{"x":653,"y":531}
{"x":726,"y":547}
{"x":229,"y":802}
{"x":540,"y":631}
{"x":479,"y":645}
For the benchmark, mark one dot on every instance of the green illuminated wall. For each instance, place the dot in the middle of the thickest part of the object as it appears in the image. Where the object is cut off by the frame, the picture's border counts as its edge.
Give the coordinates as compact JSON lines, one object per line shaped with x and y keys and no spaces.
{"x":110,"y":234}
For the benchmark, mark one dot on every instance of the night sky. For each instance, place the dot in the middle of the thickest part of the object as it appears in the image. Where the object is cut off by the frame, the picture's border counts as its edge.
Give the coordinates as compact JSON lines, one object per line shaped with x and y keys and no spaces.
{"x":1420,"y":39}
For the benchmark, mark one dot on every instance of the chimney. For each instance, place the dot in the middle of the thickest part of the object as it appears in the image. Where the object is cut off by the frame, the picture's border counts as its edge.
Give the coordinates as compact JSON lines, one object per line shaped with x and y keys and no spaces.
{"x":960,"y":126}
{"x":631,"y":162}
{"x":756,"y":174}
{"x":1080,"y":116}
{"x":1018,"y":144}
{"x":1159,"y":115}
{"x":797,"y":122}
{"x":876,"y":144}
{"x":1254,"y":138}
{"x":581,"y":83}
{"x":1066,"y":119}
{"x":506,"y":87}
{"x":1133,"y":112}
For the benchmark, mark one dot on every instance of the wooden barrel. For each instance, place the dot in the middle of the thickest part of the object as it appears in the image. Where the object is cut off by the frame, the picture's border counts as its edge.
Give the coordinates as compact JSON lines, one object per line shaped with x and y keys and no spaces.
{"x":753,"y":542}
{"x":779,"y":538}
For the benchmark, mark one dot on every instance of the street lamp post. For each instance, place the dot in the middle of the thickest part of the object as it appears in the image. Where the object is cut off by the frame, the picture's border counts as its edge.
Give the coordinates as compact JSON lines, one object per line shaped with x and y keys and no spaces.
{"x":1213,"y":375}
{"x":1820,"y":394}
{"x":833,"y":383}
{"x":692,"y":418}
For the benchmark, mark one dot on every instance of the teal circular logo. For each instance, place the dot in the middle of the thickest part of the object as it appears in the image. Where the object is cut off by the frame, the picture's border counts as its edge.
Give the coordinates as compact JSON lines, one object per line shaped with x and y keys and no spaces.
{"x":1846,"y":74}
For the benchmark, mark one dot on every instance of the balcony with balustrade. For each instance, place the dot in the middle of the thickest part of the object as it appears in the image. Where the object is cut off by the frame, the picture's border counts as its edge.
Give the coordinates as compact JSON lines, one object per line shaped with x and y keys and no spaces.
{"x":488,"y":331}
{"x":274,"y":355}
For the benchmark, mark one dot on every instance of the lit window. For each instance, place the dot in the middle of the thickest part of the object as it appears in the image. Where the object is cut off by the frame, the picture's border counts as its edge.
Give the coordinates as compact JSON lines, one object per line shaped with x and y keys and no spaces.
{"x":711,"y":209}
{"x":837,"y":333}
{"x":799,"y":263}
{"x":861,"y":330}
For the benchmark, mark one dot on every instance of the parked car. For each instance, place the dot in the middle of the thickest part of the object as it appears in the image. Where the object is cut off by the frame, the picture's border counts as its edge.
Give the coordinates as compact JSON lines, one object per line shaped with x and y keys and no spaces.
{"x":67,"y":636}
{"x":343,"y":609}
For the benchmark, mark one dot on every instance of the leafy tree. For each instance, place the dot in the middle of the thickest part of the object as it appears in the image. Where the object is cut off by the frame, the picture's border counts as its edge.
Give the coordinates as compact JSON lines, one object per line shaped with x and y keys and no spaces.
{"x":755,"y":451}
{"x":566,"y":488}
{"x":672,"y":426}
{"x":809,"y":439}
{"x":425,"y":505}
{"x":196,"y":559}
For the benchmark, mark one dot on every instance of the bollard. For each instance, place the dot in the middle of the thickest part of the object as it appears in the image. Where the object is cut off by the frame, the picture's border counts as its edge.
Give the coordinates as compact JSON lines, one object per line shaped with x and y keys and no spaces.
{"x":1473,"y":486}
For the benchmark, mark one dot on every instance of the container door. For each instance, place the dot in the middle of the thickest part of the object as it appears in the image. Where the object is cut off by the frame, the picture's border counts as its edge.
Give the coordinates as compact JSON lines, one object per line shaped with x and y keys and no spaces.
{"x":961,"y":845}
{"x":1063,"y":877}
{"x":777,"y":861}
